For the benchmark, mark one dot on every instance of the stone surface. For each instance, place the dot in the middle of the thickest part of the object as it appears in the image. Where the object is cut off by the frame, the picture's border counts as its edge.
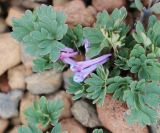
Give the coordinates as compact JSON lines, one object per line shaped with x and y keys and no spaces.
{"x":9,"y":52}
{"x":26,"y":102}
{"x":44,"y":83}
{"x":3,"y":26}
{"x":111,"y":115}
{"x":4,"y":86}
{"x":15,"y":121}
{"x":67,"y":100}
{"x":72,"y":126}
{"x":30,"y":4}
{"x":66,"y":75}
{"x":13,"y":12}
{"x":92,"y":10}
{"x":59,"y":2}
{"x":16,"y":76}
{"x":26,"y":58}
{"x":108,"y":5}
{"x":3,"y":125}
{"x":9,"y":103}
{"x":77,"y":13}
{"x":14,"y":130}
{"x":85,"y":113}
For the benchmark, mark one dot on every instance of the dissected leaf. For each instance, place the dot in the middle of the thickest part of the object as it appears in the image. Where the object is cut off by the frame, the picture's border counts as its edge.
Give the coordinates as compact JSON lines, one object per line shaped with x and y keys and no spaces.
{"x":156,"y":8}
{"x":40,"y":31}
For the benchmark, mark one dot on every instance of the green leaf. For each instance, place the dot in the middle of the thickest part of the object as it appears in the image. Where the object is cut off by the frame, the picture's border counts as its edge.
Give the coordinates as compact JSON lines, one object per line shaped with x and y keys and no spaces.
{"x":109,"y":32}
{"x":54,"y":110}
{"x":147,"y":66}
{"x":93,"y":35}
{"x":97,"y":131}
{"x":40,"y":32}
{"x":73,"y":37}
{"x":30,"y":129}
{"x":41,"y":64}
{"x":117,"y":85}
{"x":97,"y":86}
{"x":77,"y":89}
{"x":139,"y":5}
{"x":44,"y":112}
{"x":142,"y":100}
{"x":156,"y":8}
{"x":57,"y":129}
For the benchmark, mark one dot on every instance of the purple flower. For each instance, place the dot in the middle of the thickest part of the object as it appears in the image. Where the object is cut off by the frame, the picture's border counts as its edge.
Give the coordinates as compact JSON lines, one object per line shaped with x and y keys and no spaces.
{"x":67,"y":53}
{"x":80,"y":76}
{"x":81,"y":69}
{"x":69,"y":61}
{"x":66,"y":49}
{"x":79,"y":66}
{"x":86,"y":44}
{"x":84,"y":68}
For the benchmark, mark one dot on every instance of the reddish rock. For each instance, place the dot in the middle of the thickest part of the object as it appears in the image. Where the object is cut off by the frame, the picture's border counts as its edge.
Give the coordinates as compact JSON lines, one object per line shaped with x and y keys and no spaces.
{"x":111,"y":115}
{"x":3,"y":26}
{"x":4,"y":86}
{"x":13,"y":130}
{"x":13,"y":12}
{"x":92,"y":10}
{"x":72,"y":126}
{"x":4,"y":124}
{"x":77,"y":13}
{"x":108,"y":5}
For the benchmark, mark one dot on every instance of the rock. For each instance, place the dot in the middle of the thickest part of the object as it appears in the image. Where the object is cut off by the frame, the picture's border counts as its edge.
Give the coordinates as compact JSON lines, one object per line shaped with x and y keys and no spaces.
{"x":77,"y":13}
{"x":26,"y":102}
{"x":9,"y":104}
{"x":66,"y":75}
{"x":59,"y":2}
{"x":4,"y":86}
{"x":13,"y":12}
{"x":92,"y":10}
{"x":16,"y":121}
{"x":16,"y":77}
{"x":72,"y":126}
{"x":67,"y":100}
{"x":85,"y":113}
{"x":111,"y":115}
{"x":146,"y":2}
{"x":9,"y":52}
{"x":29,"y":4}
{"x":14,"y":130}
{"x":44,"y":83}
{"x":4,"y":125}
{"x":3,"y":26}
{"x":108,"y":5}
{"x":26,"y":58}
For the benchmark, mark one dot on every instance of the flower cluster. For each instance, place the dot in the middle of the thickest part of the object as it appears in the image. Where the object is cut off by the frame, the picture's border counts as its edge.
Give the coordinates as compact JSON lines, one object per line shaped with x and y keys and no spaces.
{"x":81,"y":69}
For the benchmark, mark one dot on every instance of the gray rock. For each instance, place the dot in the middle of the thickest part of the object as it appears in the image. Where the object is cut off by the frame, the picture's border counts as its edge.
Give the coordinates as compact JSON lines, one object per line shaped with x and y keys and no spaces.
{"x":9,"y":104}
{"x":44,"y":83}
{"x":66,"y":75}
{"x":85,"y":114}
{"x":26,"y":58}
